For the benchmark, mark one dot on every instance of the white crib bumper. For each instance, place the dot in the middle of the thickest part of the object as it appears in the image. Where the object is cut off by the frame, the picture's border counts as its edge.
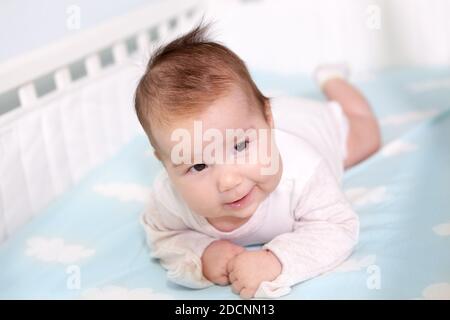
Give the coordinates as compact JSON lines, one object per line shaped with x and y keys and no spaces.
{"x":50,"y":148}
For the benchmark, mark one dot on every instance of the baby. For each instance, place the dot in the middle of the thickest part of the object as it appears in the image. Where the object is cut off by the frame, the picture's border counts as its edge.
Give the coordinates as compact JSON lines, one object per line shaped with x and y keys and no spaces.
{"x":279,"y":186}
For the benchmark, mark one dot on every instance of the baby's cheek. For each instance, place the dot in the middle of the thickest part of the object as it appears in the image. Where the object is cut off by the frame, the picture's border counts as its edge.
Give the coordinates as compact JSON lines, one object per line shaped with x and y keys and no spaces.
{"x":256,"y":173}
{"x":201,"y":201}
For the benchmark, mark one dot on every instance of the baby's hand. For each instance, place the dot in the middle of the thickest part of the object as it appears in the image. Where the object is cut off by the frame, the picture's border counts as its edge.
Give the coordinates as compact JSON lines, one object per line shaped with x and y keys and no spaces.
{"x":248,"y":269}
{"x":215,"y":259}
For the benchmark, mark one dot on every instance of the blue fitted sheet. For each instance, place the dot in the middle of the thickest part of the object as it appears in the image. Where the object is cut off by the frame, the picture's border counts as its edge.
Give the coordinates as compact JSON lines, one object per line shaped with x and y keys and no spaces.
{"x":88,"y":243}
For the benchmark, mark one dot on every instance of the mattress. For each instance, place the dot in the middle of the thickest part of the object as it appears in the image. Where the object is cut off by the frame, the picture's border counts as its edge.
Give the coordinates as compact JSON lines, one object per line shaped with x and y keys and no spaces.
{"x":88,"y":242}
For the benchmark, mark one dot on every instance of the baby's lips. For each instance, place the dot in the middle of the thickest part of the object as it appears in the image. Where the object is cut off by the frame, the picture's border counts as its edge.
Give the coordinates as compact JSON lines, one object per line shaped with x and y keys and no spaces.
{"x":241,"y":202}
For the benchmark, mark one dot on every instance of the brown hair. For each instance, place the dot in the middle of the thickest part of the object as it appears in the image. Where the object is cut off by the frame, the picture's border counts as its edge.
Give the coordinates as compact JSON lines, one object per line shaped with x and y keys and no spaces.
{"x":186,"y":75}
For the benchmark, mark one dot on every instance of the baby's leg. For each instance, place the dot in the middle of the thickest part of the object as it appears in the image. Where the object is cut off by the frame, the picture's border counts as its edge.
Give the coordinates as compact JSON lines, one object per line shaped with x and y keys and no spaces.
{"x":364,"y":137}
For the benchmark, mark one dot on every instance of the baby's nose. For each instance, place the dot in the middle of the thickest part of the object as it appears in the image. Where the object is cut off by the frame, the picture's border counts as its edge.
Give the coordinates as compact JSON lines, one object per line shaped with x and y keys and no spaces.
{"x":228,"y":180}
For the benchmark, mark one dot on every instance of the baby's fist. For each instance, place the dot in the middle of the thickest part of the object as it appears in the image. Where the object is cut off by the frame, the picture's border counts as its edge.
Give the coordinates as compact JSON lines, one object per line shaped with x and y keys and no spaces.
{"x":215,"y":259}
{"x":248,"y":269}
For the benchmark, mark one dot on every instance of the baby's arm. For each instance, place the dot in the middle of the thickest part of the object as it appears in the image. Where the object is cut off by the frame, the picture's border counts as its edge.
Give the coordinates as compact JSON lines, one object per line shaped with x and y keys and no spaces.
{"x":192,"y":259}
{"x":325,"y":232}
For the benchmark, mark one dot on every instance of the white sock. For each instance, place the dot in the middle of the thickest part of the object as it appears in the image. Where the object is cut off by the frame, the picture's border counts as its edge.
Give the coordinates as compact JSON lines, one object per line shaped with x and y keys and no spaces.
{"x":325,"y":72}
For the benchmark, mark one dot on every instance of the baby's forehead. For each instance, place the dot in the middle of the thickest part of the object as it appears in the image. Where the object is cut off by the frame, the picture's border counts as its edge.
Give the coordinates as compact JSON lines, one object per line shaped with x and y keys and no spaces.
{"x":228,"y":115}
{"x":222,"y":116}
{"x":198,"y":129}
{"x":198,"y":137}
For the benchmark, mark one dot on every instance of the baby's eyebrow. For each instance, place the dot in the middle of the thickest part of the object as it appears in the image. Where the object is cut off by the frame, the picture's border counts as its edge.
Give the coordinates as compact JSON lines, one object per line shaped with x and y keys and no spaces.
{"x":176,"y":165}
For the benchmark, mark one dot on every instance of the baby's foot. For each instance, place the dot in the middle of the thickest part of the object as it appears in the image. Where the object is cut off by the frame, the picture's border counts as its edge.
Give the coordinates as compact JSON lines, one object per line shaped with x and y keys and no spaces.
{"x":325,"y":72}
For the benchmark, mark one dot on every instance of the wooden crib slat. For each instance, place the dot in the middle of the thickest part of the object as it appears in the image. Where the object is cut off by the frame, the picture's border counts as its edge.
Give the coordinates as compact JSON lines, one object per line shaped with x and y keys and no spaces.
{"x":120,"y":52}
{"x":62,"y":78}
{"x":27,"y":95}
{"x":143,"y":41}
{"x":93,"y":65}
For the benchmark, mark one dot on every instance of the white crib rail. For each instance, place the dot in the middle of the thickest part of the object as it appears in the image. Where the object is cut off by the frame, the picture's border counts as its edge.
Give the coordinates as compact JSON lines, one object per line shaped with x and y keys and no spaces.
{"x":167,"y":17}
{"x":50,"y":141}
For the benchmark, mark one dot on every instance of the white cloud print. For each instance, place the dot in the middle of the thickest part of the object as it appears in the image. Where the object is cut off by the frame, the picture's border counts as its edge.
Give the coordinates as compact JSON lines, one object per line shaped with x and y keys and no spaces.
{"x":364,"y":196}
{"x":442,"y":229}
{"x":397,"y":147}
{"x":56,"y":250}
{"x":123,"y":191}
{"x":437,"y":291}
{"x":122,"y":293}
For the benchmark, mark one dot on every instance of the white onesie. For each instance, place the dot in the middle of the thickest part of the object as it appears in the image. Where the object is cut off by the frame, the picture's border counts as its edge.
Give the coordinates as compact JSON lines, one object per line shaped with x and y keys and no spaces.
{"x":306,"y":221}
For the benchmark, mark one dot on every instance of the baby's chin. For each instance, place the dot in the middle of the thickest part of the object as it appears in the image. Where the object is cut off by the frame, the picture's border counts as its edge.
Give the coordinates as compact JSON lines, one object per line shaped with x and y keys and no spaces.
{"x":228,"y":223}
{"x":229,"y":220}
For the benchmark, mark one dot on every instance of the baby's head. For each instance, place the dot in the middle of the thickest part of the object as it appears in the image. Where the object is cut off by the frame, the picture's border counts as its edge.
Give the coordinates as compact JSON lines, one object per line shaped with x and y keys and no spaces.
{"x":210,"y":127}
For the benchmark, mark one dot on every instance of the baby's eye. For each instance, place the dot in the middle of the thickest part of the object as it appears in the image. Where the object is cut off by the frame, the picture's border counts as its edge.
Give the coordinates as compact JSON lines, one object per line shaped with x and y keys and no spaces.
{"x":241,"y":145}
{"x":197,"y":167}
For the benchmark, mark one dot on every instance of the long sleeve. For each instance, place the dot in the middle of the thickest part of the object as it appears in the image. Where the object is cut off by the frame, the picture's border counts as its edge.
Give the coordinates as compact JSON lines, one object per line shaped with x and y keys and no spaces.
{"x":326,"y":229}
{"x":178,"y":247}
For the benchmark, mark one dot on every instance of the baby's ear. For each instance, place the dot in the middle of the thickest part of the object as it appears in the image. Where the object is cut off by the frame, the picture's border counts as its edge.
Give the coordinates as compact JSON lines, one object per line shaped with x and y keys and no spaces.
{"x":268,"y":113}
{"x":155,"y":152}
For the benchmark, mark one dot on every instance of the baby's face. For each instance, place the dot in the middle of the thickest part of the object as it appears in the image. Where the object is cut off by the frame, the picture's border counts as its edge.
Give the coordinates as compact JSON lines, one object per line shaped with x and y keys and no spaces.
{"x":221,"y":182}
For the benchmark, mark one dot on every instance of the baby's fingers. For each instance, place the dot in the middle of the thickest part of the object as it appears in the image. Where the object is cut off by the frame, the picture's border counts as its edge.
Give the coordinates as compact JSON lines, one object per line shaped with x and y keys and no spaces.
{"x":237,"y":286}
{"x":222,"y":280}
{"x":230,"y":265}
{"x":232,"y":277}
{"x":238,"y":250}
{"x":247,"y":293}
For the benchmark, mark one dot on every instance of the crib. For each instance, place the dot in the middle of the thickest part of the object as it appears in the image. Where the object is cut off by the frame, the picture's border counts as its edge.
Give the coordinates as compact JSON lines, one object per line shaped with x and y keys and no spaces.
{"x":53,"y":99}
{"x":75,"y":169}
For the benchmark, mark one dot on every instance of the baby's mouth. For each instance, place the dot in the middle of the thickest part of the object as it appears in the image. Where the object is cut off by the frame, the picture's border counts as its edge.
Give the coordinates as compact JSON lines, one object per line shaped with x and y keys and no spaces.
{"x":240,"y":197}
{"x":239,"y":203}
{"x":237,"y":200}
